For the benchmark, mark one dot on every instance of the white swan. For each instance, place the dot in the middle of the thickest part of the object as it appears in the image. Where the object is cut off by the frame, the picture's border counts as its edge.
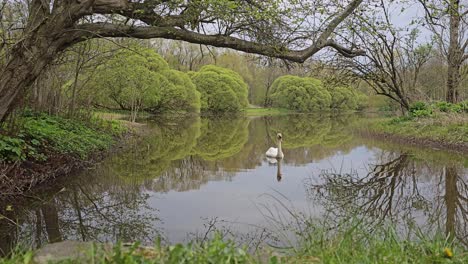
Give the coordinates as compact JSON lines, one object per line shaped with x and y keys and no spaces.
{"x":276,"y":152}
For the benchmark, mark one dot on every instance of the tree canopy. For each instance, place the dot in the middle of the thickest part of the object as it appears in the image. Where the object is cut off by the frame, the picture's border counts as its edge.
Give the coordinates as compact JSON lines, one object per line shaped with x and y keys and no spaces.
{"x":141,"y":79}
{"x":306,"y":94}
{"x":221,"y":89}
{"x":300,"y":94}
{"x":34,"y":33}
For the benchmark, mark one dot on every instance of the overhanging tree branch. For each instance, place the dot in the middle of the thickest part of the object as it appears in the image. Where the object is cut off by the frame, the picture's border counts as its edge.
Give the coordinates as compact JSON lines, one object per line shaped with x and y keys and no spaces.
{"x":100,"y":30}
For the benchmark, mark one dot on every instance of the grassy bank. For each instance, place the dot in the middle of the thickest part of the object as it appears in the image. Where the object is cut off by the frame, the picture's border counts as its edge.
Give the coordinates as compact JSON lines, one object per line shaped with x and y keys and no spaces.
{"x":40,"y":146}
{"x":446,"y":130}
{"x":266,"y":111}
{"x":352,"y":245}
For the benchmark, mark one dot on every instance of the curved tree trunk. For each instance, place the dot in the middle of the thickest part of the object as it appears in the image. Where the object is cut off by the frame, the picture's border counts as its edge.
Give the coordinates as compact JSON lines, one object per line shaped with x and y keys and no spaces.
{"x":19,"y":74}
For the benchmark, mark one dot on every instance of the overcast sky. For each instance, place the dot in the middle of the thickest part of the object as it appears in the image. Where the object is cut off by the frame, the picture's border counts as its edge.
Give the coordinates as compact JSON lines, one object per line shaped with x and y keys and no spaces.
{"x":403,"y":19}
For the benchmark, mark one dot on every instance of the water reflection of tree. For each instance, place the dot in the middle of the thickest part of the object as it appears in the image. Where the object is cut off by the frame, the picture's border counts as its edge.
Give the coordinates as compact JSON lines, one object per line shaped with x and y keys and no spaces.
{"x":189,"y":173}
{"x":300,"y":130}
{"x":221,"y":137}
{"x":455,"y":201}
{"x":87,"y":209}
{"x":401,"y":190}
{"x":149,"y":158}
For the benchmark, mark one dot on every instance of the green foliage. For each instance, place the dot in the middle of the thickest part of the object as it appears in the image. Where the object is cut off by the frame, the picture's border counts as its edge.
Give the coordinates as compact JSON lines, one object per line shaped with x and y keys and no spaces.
{"x":221,"y":138}
{"x":401,"y":119}
{"x":420,"y":109}
{"x":343,"y":98}
{"x":311,"y":130}
{"x":464,"y":106}
{"x":141,"y":80}
{"x":153,"y":156}
{"x":17,"y":149}
{"x":448,"y":107}
{"x":300,"y":94}
{"x":222,"y":90}
{"x":421,"y":113}
{"x":315,"y":244}
{"x":362,"y":100}
{"x":41,"y":134}
{"x":443,"y":128}
{"x":215,"y":250}
{"x":354,"y":244}
{"x":418,"y":106}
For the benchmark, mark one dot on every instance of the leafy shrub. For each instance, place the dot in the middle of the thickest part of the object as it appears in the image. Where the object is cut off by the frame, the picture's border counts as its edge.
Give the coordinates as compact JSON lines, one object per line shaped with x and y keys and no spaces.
{"x":12,"y":149}
{"x":420,"y":109}
{"x":421,"y":113}
{"x":65,"y":135}
{"x":464,"y":106}
{"x":418,"y":106}
{"x":300,"y":94}
{"x":222,"y":90}
{"x":448,"y":107}
{"x":19,"y":148}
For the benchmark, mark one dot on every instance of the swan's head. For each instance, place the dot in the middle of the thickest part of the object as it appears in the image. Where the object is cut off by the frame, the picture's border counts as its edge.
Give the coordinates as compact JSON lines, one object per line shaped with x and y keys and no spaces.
{"x":279,"y":136}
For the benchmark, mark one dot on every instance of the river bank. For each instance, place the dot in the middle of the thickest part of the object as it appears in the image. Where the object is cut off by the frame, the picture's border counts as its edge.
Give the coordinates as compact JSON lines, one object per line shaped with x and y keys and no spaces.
{"x":444,"y":131}
{"x":41,"y":148}
{"x":181,"y":157}
{"x":350,"y":244}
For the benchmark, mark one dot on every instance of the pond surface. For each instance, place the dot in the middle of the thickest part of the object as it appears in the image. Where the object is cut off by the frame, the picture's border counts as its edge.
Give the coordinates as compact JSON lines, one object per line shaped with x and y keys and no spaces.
{"x":190,"y":176}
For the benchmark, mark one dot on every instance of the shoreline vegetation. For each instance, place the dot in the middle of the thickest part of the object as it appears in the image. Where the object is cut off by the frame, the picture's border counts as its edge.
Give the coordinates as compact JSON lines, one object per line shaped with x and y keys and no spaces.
{"x":46,"y":147}
{"x":157,"y":82}
{"x":351,"y":242}
{"x":438,"y":125}
{"x":43,"y":147}
{"x":437,"y":133}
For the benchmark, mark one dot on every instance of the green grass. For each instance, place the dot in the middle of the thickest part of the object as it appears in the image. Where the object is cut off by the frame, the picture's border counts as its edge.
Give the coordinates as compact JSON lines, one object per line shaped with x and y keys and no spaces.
{"x":119,"y":112}
{"x":266,"y":111}
{"x":355,"y":244}
{"x":40,"y":135}
{"x":450,"y":128}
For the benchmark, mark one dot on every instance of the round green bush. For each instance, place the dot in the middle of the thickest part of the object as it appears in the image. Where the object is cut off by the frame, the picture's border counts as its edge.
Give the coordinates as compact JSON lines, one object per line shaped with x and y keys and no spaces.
{"x":300,"y":94}
{"x":222,"y":90}
{"x":141,"y":79}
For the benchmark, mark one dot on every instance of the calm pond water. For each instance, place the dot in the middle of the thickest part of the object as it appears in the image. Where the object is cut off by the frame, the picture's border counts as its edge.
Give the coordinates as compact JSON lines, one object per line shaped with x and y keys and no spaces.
{"x":190,"y":176}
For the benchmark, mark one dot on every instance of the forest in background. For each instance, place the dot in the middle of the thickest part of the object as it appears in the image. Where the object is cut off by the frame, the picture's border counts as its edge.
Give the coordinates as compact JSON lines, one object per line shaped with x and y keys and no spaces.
{"x":394,"y":63}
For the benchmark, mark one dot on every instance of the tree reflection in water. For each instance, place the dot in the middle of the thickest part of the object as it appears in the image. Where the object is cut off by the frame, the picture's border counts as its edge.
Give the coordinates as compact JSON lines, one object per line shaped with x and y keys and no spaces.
{"x":401,"y":190}
{"x":87,"y":210}
{"x":111,"y":202}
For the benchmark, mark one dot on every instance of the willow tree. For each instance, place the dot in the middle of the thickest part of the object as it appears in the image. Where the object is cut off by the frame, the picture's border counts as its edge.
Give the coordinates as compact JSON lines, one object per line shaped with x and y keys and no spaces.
{"x":301,"y":94}
{"x":221,"y":89}
{"x":142,"y":80}
{"x":41,"y":29}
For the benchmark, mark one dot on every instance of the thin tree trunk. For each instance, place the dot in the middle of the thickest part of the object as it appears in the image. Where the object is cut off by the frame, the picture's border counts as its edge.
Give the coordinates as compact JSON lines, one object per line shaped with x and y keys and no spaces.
{"x":454,"y":53}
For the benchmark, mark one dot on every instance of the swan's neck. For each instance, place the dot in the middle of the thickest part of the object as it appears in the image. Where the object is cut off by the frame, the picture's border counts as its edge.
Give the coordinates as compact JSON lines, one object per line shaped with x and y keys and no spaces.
{"x":280,"y":152}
